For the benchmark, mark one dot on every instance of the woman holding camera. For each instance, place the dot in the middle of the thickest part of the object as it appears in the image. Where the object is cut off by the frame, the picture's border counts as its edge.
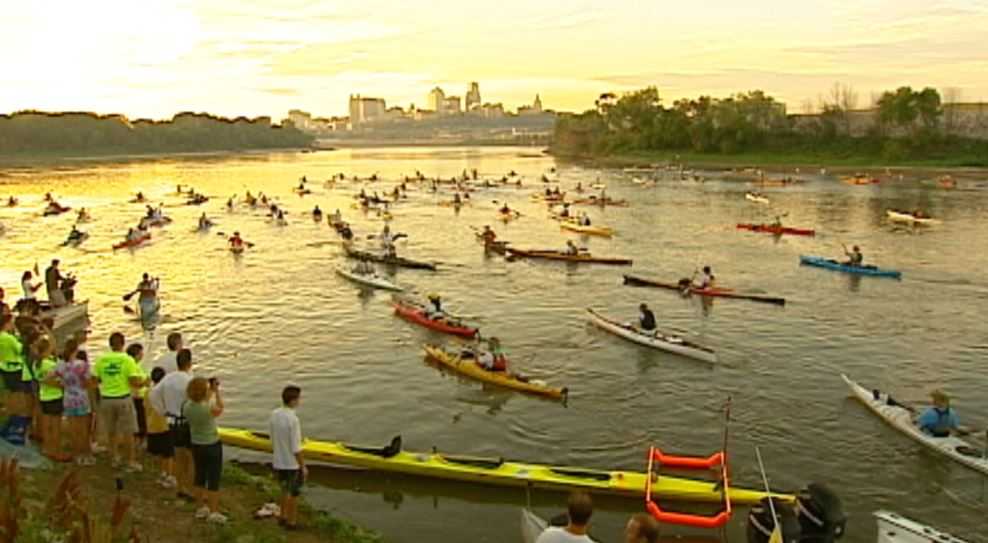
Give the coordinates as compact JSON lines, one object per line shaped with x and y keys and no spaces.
{"x":203,"y":406}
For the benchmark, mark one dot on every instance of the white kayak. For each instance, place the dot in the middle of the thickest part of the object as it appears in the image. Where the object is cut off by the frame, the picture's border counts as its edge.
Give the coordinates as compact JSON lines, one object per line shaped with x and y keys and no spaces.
{"x":374,"y":280}
{"x":901,"y":419}
{"x":757,"y":198}
{"x":893,"y":528}
{"x":898,"y":216}
{"x":658,"y":340}
{"x":532,"y":526}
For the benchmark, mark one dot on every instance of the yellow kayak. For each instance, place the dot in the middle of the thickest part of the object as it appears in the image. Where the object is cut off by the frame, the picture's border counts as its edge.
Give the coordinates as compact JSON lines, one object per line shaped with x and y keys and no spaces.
{"x":498,"y":471}
{"x":470,"y":368}
{"x":603,"y":231}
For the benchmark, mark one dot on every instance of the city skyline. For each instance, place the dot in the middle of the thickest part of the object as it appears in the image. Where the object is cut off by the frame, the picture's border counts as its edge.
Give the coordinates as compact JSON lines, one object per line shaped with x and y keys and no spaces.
{"x":260,"y":57}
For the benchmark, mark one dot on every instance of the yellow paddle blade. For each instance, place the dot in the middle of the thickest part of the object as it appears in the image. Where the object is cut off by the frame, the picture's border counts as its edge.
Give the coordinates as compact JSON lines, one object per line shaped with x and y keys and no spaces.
{"x":776,"y":536}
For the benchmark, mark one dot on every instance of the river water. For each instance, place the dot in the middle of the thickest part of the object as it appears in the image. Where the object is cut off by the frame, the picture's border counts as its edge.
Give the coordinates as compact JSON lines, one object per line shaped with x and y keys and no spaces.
{"x":279,"y":314}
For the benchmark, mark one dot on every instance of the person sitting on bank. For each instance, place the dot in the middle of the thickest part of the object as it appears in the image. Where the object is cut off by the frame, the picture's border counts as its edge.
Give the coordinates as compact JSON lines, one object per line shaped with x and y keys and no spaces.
{"x":579,"y":508}
{"x":854,"y":256}
{"x":940,"y":420}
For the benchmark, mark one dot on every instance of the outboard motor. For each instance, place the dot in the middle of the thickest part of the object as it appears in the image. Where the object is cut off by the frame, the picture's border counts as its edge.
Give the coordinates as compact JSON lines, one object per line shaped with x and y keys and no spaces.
{"x":821,"y":514}
{"x":760,"y":523}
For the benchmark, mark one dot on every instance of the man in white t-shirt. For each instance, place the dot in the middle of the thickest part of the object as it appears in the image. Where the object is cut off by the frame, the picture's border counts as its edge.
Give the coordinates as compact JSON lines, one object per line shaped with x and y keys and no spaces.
{"x":167,"y":397}
{"x":579,"y":508}
{"x":288,"y":463}
{"x":167,"y":360}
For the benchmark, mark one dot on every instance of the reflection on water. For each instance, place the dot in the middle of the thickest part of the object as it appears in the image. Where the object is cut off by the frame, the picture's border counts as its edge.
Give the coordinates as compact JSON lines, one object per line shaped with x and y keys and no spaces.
{"x":279,"y":313}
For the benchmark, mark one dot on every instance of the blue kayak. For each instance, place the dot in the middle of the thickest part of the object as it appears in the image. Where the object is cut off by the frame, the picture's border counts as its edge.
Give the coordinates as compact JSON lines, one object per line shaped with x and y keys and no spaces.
{"x":831,"y":264}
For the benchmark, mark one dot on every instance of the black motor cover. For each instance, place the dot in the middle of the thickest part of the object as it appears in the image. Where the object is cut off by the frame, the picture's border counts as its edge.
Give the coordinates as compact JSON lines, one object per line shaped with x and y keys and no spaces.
{"x":821,"y":514}
{"x":760,"y":524}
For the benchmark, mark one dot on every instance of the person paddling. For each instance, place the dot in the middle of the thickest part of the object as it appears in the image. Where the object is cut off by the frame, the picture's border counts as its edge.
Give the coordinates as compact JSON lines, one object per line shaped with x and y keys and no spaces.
{"x":204,"y":222}
{"x":940,"y":420}
{"x":706,"y":279}
{"x":147,"y":299}
{"x":488,"y":235}
{"x":646,"y":319}
{"x":317,"y":213}
{"x":571,"y":248}
{"x":854,"y":256}
{"x":492,"y":358}
{"x":236,"y":242}
{"x":435,"y":309}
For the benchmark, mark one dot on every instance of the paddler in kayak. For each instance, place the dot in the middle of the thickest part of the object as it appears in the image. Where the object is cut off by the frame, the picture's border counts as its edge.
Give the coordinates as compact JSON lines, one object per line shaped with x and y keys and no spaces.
{"x":571,"y":248}
{"x":83,"y":215}
{"x":505,"y":210}
{"x":584,"y":219}
{"x":492,"y":358}
{"x":317,"y":213}
{"x":204,"y":222}
{"x":940,"y":420}
{"x":579,"y":186}
{"x":11,"y":202}
{"x":75,"y":235}
{"x":435,"y":308}
{"x":706,"y":279}
{"x":854,"y":256}
{"x":147,"y":299}
{"x":336,"y":217}
{"x":139,"y":198}
{"x":565,"y":212}
{"x":236,"y":242}
{"x":488,"y":235}
{"x":457,"y":202}
{"x":229,"y":204}
{"x":646,"y":319}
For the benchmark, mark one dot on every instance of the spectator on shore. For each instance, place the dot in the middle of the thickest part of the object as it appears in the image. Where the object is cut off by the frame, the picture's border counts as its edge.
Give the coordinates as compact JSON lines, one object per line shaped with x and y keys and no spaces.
{"x":641,"y":528}
{"x":73,"y":372}
{"x":12,"y":359}
{"x":50,"y":395}
{"x":288,"y":463}
{"x":161,"y":443}
{"x":579,"y":508}
{"x":167,"y":361}
{"x":116,"y":373}
{"x":204,"y":406}
{"x":136,"y":351}
{"x":168,"y":397}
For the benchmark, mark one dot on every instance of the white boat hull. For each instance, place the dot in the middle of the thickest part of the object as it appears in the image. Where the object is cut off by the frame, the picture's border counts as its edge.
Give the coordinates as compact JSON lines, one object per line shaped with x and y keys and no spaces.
{"x":757,"y":199}
{"x":906,"y":218}
{"x":901,"y":419}
{"x":662,"y":342}
{"x":374,"y":281}
{"x":66,"y":314}
{"x":893,"y":528}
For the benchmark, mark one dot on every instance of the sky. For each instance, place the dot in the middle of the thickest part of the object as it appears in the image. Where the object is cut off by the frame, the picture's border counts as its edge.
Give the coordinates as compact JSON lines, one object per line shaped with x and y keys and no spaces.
{"x":154,"y":58}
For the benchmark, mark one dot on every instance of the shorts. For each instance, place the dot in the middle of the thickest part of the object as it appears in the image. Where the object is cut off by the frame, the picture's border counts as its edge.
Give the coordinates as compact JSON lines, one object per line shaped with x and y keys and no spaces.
{"x":161,"y":445}
{"x":116,"y":415}
{"x":81,"y":411}
{"x":208,"y":465}
{"x":180,"y":438}
{"x":290,"y":480}
{"x":52,"y":407}
{"x":12,"y":381}
{"x":142,"y":420}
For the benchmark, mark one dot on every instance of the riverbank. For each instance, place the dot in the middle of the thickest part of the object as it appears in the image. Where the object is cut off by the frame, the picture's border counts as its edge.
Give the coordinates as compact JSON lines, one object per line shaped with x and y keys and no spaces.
{"x":155,"y":514}
{"x":774,"y":161}
{"x":21,"y":160}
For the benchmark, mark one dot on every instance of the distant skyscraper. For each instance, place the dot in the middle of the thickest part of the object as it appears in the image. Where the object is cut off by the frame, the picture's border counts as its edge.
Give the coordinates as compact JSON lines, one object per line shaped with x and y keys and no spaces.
{"x":472,"y":100}
{"x":436,"y":100}
{"x":364,"y":110}
{"x":537,"y":105}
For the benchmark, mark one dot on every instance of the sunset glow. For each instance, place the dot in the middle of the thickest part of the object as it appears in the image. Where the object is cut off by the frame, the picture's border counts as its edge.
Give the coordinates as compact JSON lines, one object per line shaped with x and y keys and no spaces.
{"x":264,"y":57}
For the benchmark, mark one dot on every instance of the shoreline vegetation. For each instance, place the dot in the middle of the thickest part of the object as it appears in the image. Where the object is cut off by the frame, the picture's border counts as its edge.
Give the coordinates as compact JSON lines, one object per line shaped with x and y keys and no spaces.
{"x":56,"y":502}
{"x":752,"y":129}
{"x":38,"y":134}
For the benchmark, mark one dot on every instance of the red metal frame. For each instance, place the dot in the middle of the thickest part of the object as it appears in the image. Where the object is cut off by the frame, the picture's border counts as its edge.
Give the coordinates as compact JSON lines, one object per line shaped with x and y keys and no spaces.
{"x":716,"y":461}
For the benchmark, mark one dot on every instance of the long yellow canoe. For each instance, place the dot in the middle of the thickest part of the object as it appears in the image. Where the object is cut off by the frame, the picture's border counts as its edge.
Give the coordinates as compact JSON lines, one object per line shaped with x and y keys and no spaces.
{"x":470,"y":369}
{"x":602,"y":231}
{"x":497,"y":471}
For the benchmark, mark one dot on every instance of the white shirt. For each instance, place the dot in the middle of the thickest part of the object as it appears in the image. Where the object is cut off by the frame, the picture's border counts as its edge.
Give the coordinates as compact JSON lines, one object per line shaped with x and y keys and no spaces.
{"x":286,"y":438}
{"x":166,"y":362}
{"x":560,"y":535}
{"x":28,"y":291}
{"x":168,"y":396}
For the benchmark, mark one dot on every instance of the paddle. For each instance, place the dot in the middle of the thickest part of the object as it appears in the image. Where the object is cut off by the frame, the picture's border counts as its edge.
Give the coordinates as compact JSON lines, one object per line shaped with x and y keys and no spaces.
{"x":249,"y":244}
{"x":776,"y":536}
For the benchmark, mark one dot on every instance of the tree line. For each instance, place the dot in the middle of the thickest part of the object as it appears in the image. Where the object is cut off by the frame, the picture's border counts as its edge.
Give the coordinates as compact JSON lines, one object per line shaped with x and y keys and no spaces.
{"x":28,"y":132}
{"x":907,"y":126}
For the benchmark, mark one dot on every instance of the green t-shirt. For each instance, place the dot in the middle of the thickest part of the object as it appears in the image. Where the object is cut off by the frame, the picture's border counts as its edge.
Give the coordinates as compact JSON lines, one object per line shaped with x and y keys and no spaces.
{"x":11,"y":352}
{"x":48,"y":393}
{"x":114,"y":370}
{"x":202,"y":424}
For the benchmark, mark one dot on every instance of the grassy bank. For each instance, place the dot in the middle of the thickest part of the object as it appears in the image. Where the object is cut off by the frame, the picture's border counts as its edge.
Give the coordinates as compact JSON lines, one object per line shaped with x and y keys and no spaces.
{"x":779,"y":161}
{"x":56,"y":501}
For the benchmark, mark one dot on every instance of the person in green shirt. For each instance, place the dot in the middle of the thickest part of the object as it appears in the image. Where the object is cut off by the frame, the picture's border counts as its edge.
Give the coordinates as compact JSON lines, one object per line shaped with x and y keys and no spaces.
{"x":204,"y":405}
{"x":12,"y":366}
{"x":116,"y":373}
{"x":50,"y":395}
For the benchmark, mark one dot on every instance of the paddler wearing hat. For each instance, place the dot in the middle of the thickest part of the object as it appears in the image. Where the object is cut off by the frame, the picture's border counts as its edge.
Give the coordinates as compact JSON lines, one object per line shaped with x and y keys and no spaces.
{"x":435,"y":308}
{"x":940,"y":420}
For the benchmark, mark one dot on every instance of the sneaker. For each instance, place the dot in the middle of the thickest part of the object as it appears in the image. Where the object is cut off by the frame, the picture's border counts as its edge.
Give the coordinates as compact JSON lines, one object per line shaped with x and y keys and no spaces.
{"x":216,"y":518}
{"x":134,"y":467}
{"x":167,"y":482}
{"x":202,"y":512}
{"x":97,"y":448}
{"x":172,"y":482}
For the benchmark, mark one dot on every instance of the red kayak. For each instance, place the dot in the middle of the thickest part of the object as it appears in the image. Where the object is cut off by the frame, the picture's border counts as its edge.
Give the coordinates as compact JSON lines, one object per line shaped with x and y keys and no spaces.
{"x":131,"y":242}
{"x":417,"y":315}
{"x":776,"y":230}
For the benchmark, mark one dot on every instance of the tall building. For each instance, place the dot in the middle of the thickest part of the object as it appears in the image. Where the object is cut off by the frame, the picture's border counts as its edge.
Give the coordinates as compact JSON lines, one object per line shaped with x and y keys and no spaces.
{"x":364,"y":110}
{"x":473,"y":97}
{"x":436,"y":100}
{"x":451,"y":106}
{"x":537,"y":105}
{"x":534,"y":109}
